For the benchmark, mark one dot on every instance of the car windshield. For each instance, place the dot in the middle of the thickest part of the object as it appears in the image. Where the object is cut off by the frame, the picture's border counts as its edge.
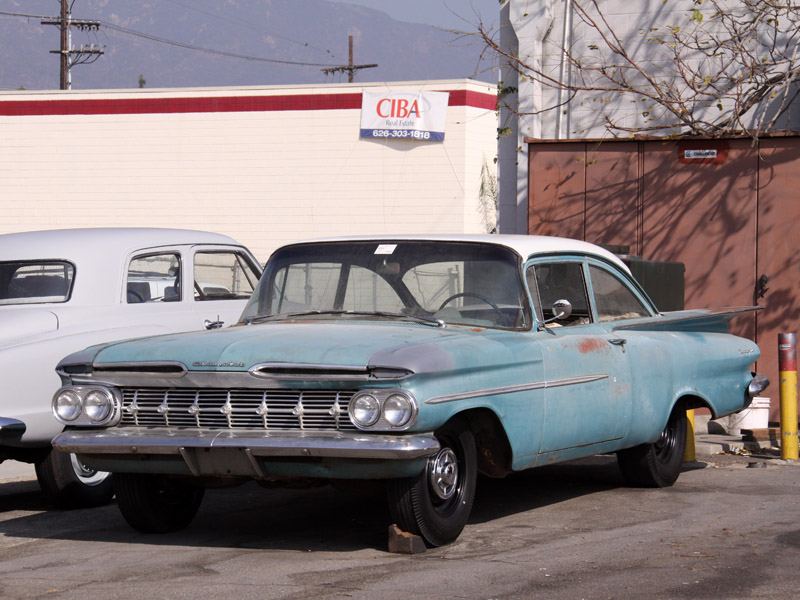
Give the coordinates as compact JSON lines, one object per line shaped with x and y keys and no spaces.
{"x":428,"y":282}
{"x":35,"y":282}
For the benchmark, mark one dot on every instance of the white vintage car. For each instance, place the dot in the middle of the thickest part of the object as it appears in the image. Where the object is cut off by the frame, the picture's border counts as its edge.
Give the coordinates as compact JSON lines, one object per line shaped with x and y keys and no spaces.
{"x":63,"y":290}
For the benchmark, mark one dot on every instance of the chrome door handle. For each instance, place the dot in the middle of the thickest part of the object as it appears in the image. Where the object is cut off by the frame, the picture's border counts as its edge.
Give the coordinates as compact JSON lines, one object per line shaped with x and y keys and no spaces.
{"x":618,"y":342}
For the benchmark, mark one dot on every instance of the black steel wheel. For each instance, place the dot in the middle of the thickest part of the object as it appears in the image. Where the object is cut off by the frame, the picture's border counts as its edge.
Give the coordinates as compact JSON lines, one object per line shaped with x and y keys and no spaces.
{"x":657,"y":464}
{"x":436,"y":503}
{"x":68,"y":483}
{"x":155,"y":503}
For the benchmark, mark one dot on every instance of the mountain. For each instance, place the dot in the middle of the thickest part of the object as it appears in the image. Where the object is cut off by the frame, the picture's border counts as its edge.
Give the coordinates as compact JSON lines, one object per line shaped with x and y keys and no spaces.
{"x":148,"y":38}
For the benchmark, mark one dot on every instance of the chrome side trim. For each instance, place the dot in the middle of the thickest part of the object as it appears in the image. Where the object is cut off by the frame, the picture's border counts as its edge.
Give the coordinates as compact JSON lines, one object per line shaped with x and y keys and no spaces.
{"x":511,"y":389}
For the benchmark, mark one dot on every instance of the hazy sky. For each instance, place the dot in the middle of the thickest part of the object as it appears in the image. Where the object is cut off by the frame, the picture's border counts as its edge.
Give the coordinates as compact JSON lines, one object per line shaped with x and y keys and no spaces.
{"x":448,"y":14}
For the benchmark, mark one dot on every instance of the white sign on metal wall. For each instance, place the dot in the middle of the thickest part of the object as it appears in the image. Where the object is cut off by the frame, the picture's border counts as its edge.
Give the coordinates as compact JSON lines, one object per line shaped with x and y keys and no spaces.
{"x":417,"y":116}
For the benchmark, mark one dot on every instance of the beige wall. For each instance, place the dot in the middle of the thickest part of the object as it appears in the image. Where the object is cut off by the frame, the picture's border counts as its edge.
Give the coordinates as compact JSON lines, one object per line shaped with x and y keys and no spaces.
{"x":265,"y":177}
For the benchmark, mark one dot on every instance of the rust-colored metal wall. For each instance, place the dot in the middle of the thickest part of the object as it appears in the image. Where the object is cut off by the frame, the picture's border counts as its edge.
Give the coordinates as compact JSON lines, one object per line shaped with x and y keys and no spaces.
{"x":729,"y":218}
{"x":778,"y":251}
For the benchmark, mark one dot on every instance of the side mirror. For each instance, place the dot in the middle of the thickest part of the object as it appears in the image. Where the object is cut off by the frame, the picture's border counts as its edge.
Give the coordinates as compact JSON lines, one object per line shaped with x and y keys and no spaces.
{"x":208,"y":324}
{"x":562,"y":309}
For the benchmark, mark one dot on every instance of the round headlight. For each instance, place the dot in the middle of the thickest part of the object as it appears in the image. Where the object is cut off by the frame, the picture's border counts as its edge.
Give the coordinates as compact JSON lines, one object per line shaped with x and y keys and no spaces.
{"x":397,"y":410}
{"x":97,"y":405}
{"x":67,"y":405}
{"x":365,"y":410}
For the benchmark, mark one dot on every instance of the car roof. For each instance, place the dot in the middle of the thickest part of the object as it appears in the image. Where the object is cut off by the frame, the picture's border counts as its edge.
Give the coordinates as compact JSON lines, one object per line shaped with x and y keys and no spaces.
{"x":99,"y":254}
{"x":77,"y":244}
{"x":524,"y":245}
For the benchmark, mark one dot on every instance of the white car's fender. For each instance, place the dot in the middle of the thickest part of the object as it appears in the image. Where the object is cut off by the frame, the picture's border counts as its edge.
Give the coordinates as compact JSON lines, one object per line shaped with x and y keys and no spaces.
{"x":20,"y":325}
{"x":30,"y":378}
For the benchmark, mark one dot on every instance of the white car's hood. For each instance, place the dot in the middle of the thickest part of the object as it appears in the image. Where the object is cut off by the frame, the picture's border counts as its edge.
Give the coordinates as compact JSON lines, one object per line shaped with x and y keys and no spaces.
{"x":23,"y":324}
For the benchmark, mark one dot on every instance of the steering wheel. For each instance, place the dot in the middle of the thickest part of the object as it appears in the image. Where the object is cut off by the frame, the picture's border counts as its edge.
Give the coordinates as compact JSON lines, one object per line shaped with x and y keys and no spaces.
{"x":134,"y":297}
{"x":500,"y":314}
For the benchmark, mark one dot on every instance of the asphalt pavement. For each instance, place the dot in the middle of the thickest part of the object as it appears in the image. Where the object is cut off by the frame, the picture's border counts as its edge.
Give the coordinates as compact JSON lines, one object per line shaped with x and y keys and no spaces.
{"x":724,"y":531}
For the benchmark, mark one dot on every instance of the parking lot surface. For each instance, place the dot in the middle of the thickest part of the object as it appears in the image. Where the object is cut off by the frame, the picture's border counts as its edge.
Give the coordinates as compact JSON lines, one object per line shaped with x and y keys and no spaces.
{"x":728,"y":529}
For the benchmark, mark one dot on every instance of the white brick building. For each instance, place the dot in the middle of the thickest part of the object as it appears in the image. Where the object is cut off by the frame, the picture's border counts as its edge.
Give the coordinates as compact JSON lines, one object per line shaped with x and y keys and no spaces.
{"x":266,"y":165}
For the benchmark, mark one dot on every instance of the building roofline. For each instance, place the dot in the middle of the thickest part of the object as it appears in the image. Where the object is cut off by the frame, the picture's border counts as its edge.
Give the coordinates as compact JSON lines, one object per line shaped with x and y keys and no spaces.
{"x":463,"y":92}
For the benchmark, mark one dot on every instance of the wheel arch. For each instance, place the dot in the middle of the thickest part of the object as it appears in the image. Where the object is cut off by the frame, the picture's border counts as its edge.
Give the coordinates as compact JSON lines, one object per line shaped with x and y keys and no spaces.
{"x":492,"y":445}
{"x":692,"y":402}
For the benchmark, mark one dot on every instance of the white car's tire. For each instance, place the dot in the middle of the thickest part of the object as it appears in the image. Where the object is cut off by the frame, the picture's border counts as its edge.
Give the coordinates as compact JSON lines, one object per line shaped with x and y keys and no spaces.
{"x":68,"y":483}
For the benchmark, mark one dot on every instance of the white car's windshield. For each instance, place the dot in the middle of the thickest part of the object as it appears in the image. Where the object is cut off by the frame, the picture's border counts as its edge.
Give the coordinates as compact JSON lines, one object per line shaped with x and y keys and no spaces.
{"x":425,"y":281}
{"x":35,"y":282}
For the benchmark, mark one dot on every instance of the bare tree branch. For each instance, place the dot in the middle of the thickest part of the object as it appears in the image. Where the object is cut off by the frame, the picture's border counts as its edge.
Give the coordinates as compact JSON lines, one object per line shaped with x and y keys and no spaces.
{"x":729,"y":67}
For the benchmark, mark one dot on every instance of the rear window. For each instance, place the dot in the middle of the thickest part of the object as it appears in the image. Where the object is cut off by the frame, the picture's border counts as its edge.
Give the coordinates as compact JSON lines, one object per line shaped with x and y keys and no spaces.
{"x":35,"y":282}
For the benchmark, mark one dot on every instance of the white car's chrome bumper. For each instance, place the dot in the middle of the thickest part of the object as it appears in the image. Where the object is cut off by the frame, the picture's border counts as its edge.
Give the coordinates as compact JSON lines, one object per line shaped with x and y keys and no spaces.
{"x":11,"y":428}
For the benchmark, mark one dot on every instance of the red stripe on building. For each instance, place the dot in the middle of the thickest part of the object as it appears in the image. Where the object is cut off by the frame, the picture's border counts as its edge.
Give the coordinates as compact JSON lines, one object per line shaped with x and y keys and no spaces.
{"x":130,"y":106}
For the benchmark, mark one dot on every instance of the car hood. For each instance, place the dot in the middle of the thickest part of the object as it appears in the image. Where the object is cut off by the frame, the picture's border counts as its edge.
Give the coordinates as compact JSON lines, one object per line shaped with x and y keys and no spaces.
{"x":16,"y":324}
{"x":414,"y":347}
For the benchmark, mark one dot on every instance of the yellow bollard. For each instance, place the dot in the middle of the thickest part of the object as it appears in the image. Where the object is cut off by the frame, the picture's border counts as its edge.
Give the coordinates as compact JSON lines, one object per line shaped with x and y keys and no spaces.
{"x":689,"y":454}
{"x":787,"y":365}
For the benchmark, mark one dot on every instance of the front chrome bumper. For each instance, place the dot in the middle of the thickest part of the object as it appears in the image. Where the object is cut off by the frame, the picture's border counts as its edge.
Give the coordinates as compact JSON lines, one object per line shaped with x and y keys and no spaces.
{"x":11,"y":428}
{"x":250,"y":453}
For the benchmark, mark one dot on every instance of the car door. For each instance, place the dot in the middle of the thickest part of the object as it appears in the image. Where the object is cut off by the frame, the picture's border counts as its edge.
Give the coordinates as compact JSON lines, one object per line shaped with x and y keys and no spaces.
{"x":189,"y":287}
{"x":223,"y":279}
{"x":588,"y":396}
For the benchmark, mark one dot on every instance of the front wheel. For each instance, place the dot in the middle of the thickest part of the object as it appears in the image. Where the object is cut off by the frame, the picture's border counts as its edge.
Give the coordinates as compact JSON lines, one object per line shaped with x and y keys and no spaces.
{"x":67,"y":483}
{"x":436,"y":503}
{"x":657,"y":464}
{"x":155,"y":503}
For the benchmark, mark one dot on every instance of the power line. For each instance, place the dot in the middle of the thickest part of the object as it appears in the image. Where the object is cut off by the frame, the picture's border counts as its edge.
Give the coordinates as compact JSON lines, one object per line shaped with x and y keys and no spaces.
{"x":349,"y":68}
{"x":23,"y":15}
{"x":161,"y":40}
{"x":328,"y":68}
{"x":248,"y":25}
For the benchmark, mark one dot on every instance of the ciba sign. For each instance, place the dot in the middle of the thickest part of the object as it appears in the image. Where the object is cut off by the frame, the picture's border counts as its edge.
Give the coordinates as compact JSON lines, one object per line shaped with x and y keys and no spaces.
{"x":419,"y":116}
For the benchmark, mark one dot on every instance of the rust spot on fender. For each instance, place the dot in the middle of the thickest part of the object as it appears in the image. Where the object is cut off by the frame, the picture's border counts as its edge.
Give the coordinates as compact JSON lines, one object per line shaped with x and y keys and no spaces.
{"x":478,"y":329}
{"x":592,"y":344}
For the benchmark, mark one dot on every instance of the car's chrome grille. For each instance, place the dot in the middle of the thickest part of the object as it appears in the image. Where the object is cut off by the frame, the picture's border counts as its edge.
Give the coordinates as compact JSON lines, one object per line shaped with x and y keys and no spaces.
{"x":237,"y":408}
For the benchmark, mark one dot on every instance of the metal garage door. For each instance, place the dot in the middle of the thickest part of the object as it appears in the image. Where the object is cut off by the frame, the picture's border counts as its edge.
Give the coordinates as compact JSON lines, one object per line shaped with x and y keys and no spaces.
{"x":724,"y":208}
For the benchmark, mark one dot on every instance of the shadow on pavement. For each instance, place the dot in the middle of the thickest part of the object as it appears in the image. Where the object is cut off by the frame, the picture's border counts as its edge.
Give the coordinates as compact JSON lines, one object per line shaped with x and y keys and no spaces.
{"x":321,"y":519}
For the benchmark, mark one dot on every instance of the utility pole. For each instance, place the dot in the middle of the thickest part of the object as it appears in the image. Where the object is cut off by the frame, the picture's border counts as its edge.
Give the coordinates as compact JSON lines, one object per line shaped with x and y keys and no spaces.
{"x":350,"y":67}
{"x":81,"y":55}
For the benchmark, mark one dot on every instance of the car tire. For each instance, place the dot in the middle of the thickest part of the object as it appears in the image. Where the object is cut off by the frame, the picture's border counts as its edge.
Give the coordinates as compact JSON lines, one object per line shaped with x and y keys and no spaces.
{"x":67,"y":483}
{"x":436,"y":504}
{"x":155,"y":503}
{"x":657,"y":464}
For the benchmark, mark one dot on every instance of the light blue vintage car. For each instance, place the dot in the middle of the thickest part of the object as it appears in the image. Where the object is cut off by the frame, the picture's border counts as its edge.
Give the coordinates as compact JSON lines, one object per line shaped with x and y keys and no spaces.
{"x":420,"y":361}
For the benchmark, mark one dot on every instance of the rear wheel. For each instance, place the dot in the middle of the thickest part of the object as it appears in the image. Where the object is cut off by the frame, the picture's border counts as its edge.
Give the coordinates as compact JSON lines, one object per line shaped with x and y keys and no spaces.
{"x":436,"y":503}
{"x":155,"y":503}
{"x":67,"y":483}
{"x":657,"y":464}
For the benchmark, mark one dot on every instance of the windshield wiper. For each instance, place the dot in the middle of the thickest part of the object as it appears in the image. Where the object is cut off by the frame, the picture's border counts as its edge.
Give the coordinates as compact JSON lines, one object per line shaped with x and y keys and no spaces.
{"x":432,"y":321}
{"x":263,"y":318}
